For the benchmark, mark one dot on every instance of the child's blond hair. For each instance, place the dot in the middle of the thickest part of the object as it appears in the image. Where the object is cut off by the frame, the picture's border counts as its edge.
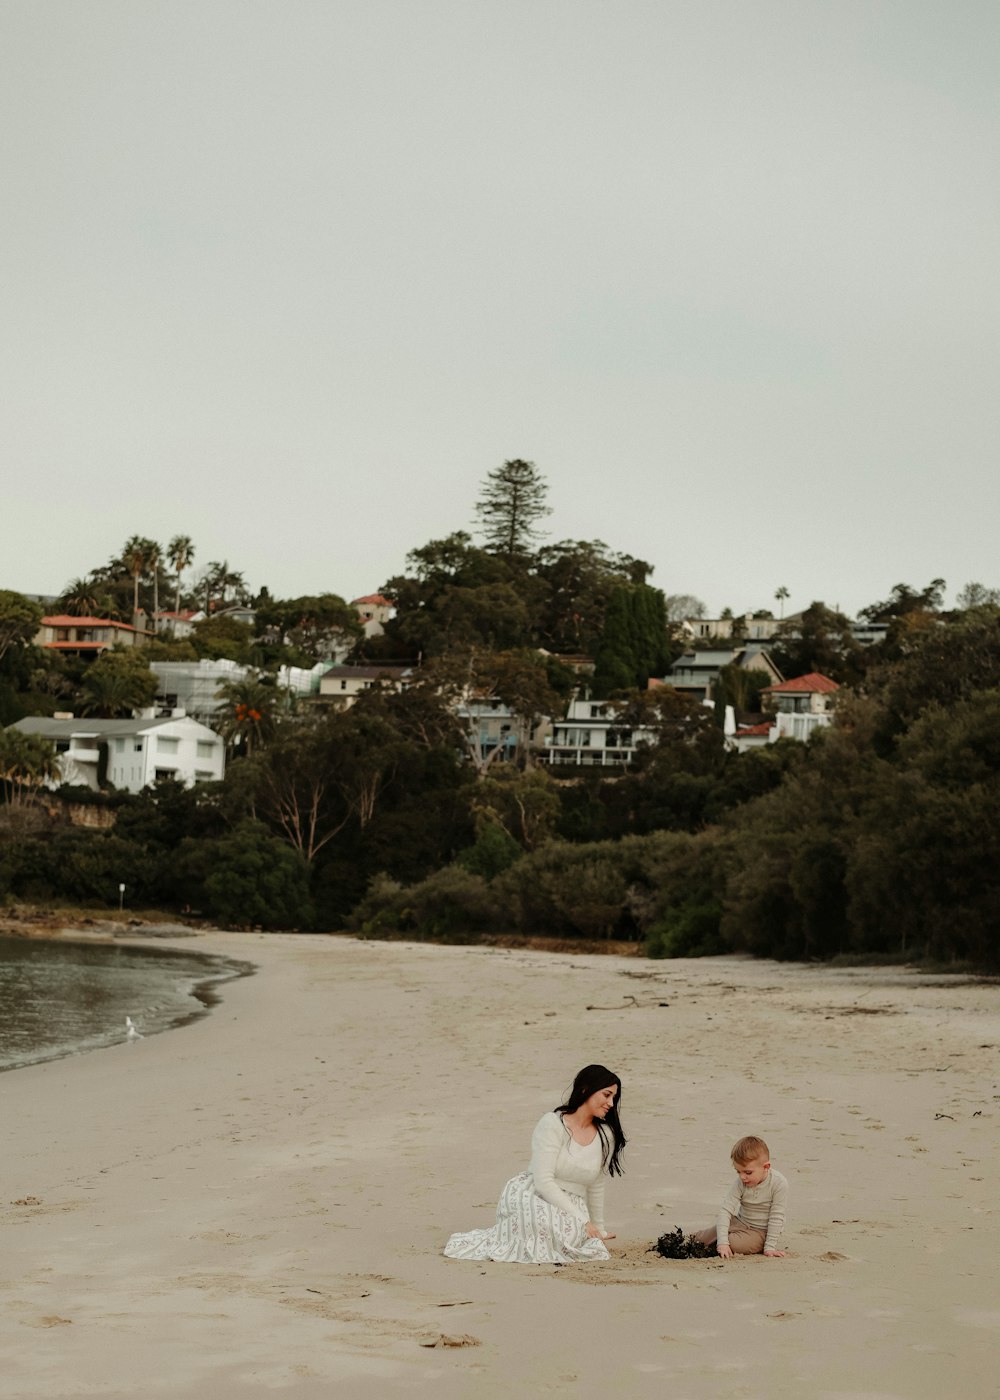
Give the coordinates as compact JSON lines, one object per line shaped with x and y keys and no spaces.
{"x":750,"y":1149}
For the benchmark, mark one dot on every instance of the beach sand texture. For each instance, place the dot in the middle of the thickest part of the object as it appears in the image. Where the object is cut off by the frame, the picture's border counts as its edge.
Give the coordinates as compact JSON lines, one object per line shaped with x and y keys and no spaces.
{"x":256,"y":1204}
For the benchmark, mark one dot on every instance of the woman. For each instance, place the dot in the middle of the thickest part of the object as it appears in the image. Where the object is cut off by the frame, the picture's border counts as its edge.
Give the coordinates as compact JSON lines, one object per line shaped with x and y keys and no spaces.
{"x":554,"y":1212}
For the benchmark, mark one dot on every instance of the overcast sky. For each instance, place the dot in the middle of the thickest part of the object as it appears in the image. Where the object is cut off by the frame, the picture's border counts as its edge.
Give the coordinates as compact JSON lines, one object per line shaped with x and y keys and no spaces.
{"x":291,"y":276}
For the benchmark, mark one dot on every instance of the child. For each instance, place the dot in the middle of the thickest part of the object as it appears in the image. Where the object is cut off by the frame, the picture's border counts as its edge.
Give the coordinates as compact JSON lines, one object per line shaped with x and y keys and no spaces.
{"x":752,"y":1216}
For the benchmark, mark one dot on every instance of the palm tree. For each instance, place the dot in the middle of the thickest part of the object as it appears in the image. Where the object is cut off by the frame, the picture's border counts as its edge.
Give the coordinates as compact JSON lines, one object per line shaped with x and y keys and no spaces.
{"x":153,"y":554}
{"x":80,"y":598}
{"x":109,"y":694}
{"x":138,"y":556}
{"x":248,"y":716}
{"x":180,"y":552}
{"x":781,"y":594}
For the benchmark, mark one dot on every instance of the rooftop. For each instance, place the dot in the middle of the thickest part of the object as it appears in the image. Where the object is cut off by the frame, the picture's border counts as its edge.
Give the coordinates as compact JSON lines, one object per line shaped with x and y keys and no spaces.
{"x":64,"y":620}
{"x":813,"y":683}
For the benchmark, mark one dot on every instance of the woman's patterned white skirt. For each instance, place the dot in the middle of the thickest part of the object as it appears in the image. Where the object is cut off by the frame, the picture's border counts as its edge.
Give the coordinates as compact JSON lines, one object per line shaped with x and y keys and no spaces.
{"x":529,"y":1231}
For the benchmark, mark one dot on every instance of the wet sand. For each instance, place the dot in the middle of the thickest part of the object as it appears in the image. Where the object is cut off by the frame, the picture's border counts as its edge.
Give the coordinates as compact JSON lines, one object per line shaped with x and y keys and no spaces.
{"x":255,"y":1204}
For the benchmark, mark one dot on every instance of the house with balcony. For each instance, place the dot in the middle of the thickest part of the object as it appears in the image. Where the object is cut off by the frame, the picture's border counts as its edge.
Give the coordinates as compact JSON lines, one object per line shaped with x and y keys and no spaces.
{"x":85,"y":636}
{"x":130,"y":754}
{"x":591,"y":735}
{"x":800,"y":706}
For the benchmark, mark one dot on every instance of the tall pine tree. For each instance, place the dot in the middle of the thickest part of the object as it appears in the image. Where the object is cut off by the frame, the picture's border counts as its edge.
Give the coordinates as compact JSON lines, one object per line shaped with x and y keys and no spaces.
{"x":511,"y":504}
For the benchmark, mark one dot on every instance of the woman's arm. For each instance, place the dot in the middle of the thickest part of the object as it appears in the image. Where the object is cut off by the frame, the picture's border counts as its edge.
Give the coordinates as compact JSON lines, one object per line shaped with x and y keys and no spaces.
{"x":595,"y":1203}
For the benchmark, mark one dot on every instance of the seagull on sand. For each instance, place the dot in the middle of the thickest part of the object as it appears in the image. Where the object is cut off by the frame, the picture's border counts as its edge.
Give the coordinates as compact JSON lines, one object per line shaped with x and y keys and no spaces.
{"x":130,"y":1029}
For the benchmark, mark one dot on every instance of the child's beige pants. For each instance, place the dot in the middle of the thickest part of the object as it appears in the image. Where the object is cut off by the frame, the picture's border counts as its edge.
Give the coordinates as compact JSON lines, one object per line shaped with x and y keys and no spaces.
{"x":743,"y":1239}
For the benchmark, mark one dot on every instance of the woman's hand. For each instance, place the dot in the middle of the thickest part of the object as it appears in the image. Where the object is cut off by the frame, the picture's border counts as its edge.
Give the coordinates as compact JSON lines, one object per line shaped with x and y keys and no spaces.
{"x":774,"y":1254}
{"x":595,"y":1232}
{"x":725,"y":1251}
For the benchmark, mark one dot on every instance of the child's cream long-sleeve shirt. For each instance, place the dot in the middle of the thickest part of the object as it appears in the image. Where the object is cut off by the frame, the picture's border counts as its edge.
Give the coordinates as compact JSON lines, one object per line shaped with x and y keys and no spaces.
{"x":761,"y":1207}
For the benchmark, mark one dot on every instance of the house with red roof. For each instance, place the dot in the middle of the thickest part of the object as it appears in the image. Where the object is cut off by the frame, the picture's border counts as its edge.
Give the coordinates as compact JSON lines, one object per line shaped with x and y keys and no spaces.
{"x":85,"y":636}
{"x":800,"y":706}
{"x":373,"y":611}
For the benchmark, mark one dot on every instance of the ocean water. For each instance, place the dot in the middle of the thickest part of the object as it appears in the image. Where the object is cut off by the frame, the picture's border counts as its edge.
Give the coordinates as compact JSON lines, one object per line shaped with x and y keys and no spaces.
{"x":59,"y":998}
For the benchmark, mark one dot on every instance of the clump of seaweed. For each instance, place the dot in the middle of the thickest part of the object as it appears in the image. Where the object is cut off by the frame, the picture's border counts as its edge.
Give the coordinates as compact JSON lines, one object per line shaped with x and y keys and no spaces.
{"x":674,"y":1245}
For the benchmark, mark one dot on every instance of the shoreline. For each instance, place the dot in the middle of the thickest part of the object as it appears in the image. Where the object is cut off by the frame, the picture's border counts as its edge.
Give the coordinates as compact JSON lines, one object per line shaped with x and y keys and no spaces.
{"x":185,"y":985}
{"x":259,"y":1201}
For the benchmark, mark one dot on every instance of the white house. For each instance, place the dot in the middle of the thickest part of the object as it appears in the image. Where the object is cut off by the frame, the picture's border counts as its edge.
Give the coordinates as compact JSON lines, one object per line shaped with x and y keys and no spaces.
{"x":177,"y":624}
{"x":374,"y":611}
{"x":592,"y":735}
{"x":747,"y":627}
{"x":131,"y":754}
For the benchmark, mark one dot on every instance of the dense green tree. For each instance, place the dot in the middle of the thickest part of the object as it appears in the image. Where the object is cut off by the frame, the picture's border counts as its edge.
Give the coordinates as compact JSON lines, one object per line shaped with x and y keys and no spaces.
{"x":820,"y":640}
{"x":574,"y":581}
{"x":944,"y":664}
{"x":27,"y":763}
{"x":524,"y":805}
{"x":905,"y":599}
{"x":454,"y":596}
{"x":226,"y":638}
{"x":19,"y":621}
{"x":116,"y":684}
{"x":253,"y":879}
{"x":315,"y":628}
{"x":323,"y":775}
{"x":633,"y":645}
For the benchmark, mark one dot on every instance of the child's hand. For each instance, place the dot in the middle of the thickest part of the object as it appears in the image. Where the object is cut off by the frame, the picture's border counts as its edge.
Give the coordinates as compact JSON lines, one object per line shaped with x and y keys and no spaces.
{"x":725,"y":1251}
{"x":774,"y":1254}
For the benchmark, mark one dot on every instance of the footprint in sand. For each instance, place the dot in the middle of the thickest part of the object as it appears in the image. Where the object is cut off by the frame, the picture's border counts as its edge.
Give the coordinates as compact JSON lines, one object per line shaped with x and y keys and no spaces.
{"x":51,"y":1321}
{"x":832,"y":1257}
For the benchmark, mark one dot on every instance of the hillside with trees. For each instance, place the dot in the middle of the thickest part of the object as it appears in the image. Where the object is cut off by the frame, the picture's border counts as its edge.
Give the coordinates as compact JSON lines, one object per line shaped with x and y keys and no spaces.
{"x":874,"y":839}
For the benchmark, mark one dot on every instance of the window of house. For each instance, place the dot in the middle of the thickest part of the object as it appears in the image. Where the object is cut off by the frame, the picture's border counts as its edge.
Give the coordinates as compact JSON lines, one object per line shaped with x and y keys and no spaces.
{"x":62,"y":746}
{"x":202,"y":775}
{"x":343,"y":685}
{"x":162,"y":773}
{"x":205,"y":748}
{"x":119,"y":746}
{"x":167,"y":745}
{"x":138,"y":746}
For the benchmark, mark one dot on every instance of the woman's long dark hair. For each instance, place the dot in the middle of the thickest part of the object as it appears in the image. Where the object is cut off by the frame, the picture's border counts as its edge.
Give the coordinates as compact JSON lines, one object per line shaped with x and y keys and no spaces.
{"x":590,"y":1080}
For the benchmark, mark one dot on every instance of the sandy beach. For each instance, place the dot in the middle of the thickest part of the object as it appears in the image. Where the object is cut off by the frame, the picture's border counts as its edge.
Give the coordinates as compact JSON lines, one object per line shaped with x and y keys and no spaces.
{"x":256,"y":1203}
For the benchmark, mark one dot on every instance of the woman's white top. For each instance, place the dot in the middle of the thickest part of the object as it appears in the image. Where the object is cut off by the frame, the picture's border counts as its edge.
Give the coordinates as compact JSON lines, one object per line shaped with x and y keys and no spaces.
{"x":564,"y":1170}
